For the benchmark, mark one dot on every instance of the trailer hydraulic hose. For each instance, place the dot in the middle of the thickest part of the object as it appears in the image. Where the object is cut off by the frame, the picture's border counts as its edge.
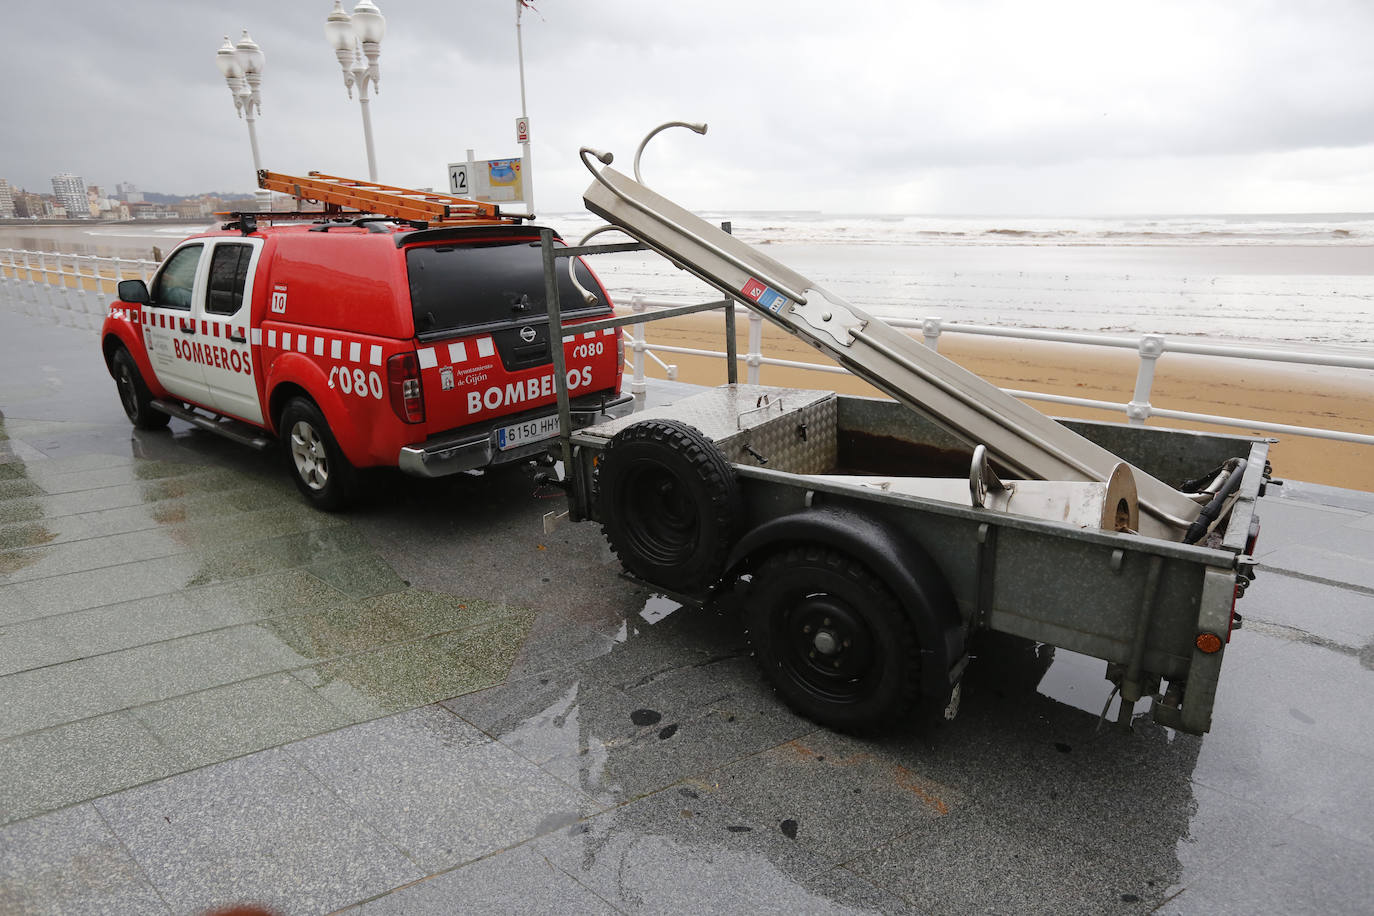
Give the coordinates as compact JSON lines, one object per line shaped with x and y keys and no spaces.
{"x":1210,"y":511}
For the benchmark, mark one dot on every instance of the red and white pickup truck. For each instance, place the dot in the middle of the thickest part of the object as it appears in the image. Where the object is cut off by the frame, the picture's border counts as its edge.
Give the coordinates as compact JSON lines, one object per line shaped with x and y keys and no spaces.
{"x":360,"y":343}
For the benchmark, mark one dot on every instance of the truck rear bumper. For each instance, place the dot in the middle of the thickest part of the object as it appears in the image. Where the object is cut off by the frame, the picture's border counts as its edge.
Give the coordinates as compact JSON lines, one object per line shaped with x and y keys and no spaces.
{"x":453,"y":453}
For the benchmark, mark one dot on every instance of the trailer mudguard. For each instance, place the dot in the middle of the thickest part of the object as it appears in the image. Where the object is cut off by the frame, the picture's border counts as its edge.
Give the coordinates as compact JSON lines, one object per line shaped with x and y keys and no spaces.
{"x":901,"y":564}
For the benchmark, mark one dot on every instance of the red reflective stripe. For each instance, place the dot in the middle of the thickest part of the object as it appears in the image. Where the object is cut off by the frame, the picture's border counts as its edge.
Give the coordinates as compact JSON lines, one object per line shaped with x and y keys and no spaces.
{"x":203,"y":326}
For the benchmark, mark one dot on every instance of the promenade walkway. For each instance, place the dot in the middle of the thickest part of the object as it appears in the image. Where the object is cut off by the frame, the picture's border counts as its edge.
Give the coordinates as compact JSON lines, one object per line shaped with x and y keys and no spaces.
{"x":211,"y":694}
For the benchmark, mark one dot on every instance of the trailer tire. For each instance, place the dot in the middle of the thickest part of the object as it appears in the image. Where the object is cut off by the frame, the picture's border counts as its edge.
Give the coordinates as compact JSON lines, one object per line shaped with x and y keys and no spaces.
{"x":134,"y":395}
{"x":669,"y":503}
{"x":833,"y":640}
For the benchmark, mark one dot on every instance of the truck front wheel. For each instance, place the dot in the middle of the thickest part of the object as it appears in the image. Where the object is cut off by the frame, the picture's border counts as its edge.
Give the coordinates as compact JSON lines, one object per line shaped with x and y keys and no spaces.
{"x":134,"y":394}
{"x":833,"y":639}
{"x":322,"y":473}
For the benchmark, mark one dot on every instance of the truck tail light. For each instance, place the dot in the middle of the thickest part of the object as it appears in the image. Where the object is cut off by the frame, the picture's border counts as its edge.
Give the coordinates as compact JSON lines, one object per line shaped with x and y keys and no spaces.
{"x":619,"y":353}
{"x":403,"y":384}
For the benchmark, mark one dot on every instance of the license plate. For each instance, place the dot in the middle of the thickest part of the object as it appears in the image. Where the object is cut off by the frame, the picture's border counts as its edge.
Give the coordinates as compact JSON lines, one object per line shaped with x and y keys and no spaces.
{"x":527,"y":432}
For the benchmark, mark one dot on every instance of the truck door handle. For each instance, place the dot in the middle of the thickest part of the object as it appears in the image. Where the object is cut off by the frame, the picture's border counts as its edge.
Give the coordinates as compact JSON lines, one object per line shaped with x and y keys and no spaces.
{"x":238,"y":339}
{"x":187,"y":328}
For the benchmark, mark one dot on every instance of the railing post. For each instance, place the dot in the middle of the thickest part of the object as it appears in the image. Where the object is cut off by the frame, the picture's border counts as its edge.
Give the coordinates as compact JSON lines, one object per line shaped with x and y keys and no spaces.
{"x":32,"y":291}
{"x":1150,"y":349}
{"x":755,"y":355}
{"x":930,"y":330}
{"x":637,"y":384}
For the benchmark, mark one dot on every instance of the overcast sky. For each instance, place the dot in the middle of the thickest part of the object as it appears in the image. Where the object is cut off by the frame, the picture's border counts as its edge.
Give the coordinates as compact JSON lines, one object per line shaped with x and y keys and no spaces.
{"x":974,"y":106}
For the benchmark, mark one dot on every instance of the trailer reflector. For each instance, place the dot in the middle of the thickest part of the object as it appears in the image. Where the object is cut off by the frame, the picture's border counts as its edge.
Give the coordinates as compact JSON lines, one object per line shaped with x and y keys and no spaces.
{"x":1208,"y":642}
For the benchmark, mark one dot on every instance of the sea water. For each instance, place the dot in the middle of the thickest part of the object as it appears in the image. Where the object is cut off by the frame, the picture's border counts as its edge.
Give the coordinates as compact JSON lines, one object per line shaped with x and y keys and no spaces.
{"x":1288,"y":279}
{"x":1305,"y":279}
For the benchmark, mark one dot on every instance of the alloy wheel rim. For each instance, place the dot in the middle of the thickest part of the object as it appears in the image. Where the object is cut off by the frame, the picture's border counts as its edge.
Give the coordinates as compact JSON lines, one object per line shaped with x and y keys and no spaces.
{"x":309,"y":456}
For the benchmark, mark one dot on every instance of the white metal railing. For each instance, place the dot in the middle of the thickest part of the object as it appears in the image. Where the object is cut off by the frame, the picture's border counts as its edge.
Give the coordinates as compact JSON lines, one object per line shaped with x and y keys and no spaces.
{"x":71,"y":289}
{"x":76,"y":290}
{"x":1137,"y":410}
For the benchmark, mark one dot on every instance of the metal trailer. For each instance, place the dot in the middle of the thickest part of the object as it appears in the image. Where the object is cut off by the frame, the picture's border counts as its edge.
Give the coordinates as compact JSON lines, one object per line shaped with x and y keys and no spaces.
{"x":866,"y":542}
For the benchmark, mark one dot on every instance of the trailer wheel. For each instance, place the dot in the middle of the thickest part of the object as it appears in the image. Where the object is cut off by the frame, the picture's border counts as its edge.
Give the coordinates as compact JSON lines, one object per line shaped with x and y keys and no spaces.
{"x":669,"y":503}
{"x":134,"y":395}
{"x":833,"y":639}
{"x":317,"y":464}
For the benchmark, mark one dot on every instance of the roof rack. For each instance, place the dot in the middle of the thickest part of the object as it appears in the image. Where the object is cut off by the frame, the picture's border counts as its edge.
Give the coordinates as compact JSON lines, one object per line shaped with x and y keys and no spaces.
{"x":419,"y":208}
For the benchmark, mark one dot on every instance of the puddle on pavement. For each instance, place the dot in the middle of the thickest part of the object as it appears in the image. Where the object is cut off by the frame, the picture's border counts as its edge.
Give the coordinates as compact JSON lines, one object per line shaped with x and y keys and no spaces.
{"x":658,"y":607}
{"x":1016,"y":666}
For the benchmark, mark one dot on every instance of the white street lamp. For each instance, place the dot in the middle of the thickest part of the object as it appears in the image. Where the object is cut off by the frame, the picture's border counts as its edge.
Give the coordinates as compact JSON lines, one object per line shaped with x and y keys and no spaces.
{"x":242,"y":66}
{"x":354,"y":38}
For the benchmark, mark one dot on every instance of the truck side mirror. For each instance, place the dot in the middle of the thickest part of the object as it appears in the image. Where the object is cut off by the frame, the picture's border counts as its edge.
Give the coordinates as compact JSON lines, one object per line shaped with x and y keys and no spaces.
{"x":134,"y":292}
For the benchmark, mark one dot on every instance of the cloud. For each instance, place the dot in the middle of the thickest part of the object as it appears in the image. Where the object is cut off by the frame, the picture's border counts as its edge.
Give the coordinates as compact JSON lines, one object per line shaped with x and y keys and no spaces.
{"x":858,"y":106}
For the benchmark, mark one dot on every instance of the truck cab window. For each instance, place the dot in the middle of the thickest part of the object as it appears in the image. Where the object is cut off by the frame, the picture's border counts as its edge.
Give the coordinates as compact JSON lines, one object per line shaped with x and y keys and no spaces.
{"x":228,"y":271}
{"x":173,"y":285}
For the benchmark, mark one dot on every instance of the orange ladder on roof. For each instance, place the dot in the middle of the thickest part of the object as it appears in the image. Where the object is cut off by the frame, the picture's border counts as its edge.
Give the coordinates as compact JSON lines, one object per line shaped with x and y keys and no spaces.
{"x":384,"y":200}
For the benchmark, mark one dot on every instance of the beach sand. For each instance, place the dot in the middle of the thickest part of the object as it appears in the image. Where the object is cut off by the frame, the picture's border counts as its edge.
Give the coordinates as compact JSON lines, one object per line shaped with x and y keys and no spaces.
{"x":1341,"y":399}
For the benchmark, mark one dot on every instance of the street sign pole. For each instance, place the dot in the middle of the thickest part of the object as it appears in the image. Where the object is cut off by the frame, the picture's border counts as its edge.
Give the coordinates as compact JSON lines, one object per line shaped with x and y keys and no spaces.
{"x":522,"y":128}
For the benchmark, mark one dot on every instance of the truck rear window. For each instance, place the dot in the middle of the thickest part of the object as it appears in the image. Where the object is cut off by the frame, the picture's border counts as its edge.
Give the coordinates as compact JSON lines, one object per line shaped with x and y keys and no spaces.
{"x":463,"y":287}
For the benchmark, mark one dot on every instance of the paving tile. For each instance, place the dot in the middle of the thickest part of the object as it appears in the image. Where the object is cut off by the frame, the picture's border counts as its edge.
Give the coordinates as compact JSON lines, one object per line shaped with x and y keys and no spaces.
{"x":76,"y":591}
{"x":516,"y":882}
{"x":79,"y":761}
{"x":241,"y":600}
{"x":438,"y":788}
{"x":543,"y":718}
{"x":163,"y":670}
{"x":360,"y":576}
{"x":260,"y":829}
{"x":30,"y":534}
{"x":427,"y":613}
{"x":1343,"y":616}
{"x":489,"y":649}
{"x":24,"y":646}
{"x":678,"y":851}
{"x":225,"y":722}
{"x":1350,"y":566}
{"x":1292,"y":869}
{"x":1285,"y":772}
{"x":18,"y":488}
{"x":392,"y":678}
{"x":842,"y":796}
{"x":74,"y":475}
{"x":16,"y":509}
{"x":252,"y":558}
{"x":96,"y":631}
{"x":556,"y":643}
{"x":1317,"y":690}
{"x":338,"y":631}
{"x":976,"y":860}
{"x":620,"y":744}
{"x":145,"y":493}
{"x":45,"y":697}
{"x":69,"y":862}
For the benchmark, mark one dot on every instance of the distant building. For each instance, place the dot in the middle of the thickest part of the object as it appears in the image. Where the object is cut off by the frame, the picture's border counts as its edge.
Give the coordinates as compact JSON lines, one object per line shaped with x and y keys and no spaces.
{"x":6,"y":200}
{"x":128,"y":193}
{"x":30,"y":205}
{"x":70,"y":191}
{"x":192,"y":209}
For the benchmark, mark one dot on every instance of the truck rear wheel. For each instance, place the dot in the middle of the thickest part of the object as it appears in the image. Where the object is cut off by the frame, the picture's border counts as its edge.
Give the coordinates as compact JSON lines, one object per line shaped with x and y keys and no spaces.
{"x":669,"y":503}
{"x":134,"y":394}
{"x":322,"y":473}
{"x":833,"y":639}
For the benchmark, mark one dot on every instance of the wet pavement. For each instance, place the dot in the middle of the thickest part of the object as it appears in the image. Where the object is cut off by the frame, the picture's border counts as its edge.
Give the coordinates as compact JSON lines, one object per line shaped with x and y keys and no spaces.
{"x":210,"y":693}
